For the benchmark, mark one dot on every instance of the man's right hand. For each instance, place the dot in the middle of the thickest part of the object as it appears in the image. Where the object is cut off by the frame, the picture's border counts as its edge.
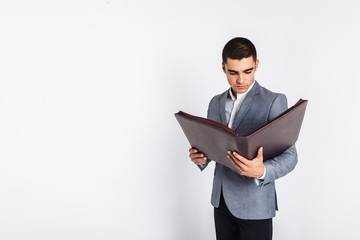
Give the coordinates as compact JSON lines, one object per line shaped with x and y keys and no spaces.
{"x":197,"y":158}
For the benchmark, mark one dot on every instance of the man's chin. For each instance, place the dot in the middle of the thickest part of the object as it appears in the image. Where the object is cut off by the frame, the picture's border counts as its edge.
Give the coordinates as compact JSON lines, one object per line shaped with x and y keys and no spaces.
{"x":241,"y":90}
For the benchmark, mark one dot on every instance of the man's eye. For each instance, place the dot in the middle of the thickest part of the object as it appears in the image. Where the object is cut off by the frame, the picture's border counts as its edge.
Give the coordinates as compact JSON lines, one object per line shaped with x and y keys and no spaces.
{"x":248,"y":72}
{"x":232,"y":73}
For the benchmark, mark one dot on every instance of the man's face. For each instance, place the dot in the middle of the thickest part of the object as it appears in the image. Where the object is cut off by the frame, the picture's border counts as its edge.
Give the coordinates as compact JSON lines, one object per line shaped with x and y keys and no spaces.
{"x":240,"y":73}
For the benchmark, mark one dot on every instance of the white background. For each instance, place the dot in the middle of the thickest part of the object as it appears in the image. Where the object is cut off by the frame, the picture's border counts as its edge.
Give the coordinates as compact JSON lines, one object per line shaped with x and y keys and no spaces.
{"x":90,"y":148}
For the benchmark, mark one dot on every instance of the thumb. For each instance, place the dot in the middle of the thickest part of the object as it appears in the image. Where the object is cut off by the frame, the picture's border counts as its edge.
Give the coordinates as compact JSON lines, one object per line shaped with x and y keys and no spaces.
{"x":260,"y":152}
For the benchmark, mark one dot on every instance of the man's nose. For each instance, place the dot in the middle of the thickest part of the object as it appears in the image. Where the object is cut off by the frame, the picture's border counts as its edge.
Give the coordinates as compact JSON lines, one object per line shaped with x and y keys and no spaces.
{"x":240,"y":79}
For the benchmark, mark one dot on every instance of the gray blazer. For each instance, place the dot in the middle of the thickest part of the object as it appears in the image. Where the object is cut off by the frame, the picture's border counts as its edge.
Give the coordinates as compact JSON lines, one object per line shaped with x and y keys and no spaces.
{"x":244,"y":198}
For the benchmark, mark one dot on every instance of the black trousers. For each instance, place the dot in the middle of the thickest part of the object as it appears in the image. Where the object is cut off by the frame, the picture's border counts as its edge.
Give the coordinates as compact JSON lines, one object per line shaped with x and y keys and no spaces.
{"x":229,"y":227}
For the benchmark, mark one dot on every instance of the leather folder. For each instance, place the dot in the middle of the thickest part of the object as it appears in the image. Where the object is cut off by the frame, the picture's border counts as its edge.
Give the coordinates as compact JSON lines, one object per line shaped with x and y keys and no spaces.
{"x":214,"y":139}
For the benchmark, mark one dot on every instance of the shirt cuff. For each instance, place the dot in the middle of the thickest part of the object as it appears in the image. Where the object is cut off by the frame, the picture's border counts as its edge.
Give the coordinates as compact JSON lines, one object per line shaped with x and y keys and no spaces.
{"x":259,"y":180}
{"x":263,"y":176}
{"x":202,"y":164}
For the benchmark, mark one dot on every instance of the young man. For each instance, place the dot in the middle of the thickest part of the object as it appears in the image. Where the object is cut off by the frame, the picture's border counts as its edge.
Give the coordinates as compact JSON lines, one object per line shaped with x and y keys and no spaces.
{"x":245,"y":203}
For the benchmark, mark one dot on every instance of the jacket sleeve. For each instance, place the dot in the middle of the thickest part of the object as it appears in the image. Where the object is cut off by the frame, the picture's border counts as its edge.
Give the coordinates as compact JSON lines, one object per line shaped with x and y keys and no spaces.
{"x":284,"y":163}
{"x":204,"y":164}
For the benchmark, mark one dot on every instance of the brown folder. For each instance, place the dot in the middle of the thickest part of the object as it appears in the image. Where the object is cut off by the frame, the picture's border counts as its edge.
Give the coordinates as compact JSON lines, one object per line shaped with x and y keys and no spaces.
{"x":214,"y":139}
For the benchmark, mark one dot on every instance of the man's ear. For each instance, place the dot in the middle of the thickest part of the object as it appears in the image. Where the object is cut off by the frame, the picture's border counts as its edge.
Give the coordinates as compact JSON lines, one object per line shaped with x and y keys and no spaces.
{"x":223,"y":67}
{"x":256,"y":64}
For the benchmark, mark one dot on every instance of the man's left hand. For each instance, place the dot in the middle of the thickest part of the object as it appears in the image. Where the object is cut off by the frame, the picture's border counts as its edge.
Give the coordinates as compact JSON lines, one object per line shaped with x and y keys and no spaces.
{"x":246,"y":167}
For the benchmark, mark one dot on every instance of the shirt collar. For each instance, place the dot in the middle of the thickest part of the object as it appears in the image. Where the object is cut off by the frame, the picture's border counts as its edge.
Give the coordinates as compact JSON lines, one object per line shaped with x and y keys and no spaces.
{"x":231,"y":95}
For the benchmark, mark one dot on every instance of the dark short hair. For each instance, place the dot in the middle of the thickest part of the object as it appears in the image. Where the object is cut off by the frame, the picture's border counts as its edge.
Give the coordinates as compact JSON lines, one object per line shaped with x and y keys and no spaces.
{"x":239,"y":48}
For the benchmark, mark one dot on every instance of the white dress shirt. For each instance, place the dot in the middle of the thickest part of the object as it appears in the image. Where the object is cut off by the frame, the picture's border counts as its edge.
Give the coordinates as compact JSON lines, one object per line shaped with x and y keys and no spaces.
{"x":232,"y":107}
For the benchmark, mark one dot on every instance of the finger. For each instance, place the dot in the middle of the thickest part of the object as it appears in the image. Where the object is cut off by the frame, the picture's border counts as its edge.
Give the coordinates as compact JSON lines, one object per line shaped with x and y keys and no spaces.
{"x":236,"y":163}
{"x":244,"y":161}
{"x":240,"y":160}
{"x":196,"y":155}
{"x":237,"y":157}
{"x":231,"y":158}
{"x":193,"y":150}
{"x":199,"y":160}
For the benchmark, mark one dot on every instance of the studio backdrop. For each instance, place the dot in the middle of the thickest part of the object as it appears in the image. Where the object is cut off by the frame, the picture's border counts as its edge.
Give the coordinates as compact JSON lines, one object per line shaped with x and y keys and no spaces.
{"x":90,"y":147}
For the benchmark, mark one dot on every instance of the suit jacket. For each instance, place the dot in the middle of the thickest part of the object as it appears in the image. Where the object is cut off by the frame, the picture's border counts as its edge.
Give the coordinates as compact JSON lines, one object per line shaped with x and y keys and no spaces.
{"x":244,"y":198}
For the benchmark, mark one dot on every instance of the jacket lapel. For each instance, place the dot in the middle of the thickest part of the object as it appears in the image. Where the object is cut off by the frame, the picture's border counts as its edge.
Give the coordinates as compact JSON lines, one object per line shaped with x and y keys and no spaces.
{"x":222,"y":108}
{"x":249,"y":99}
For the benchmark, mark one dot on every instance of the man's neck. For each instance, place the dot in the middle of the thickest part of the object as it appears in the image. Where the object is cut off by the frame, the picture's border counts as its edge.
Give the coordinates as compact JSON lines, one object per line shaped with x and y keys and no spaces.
{"x":235,"y":93}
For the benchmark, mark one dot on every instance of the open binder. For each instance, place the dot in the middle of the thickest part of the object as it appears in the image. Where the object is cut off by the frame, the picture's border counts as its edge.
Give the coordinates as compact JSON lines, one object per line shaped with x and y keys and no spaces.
{"x":214,"y":139}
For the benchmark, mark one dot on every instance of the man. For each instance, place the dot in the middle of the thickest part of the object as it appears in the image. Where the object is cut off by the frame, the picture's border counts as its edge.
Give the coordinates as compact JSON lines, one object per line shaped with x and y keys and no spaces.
{"x":245,"y":203}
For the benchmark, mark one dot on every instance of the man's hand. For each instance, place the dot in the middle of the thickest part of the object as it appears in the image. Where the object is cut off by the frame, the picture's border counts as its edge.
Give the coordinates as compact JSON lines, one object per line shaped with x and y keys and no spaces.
{"x":249,"y":168}
{"x":197,"y":158}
